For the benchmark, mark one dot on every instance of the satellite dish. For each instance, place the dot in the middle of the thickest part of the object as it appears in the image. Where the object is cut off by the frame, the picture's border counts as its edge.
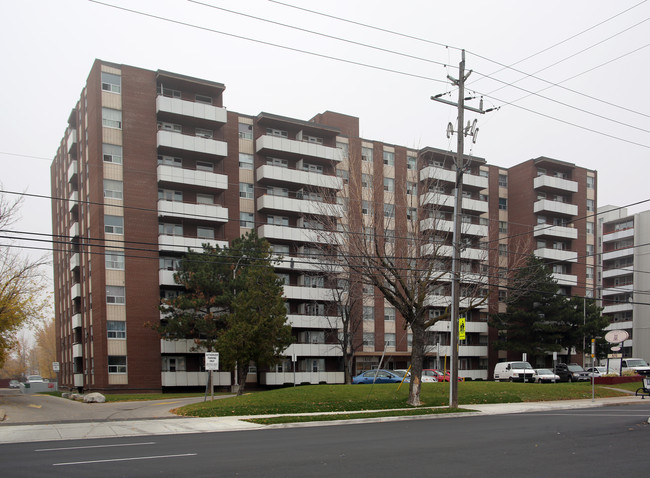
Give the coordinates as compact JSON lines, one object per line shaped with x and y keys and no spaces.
{"x":616,"y":336}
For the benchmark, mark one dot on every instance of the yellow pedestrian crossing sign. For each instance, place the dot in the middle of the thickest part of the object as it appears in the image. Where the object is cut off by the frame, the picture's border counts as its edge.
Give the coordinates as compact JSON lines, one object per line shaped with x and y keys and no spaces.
{"x":461,"y":328}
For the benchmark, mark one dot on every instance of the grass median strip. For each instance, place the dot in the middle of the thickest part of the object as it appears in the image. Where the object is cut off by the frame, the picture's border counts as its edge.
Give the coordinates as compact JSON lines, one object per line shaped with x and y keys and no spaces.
{"x":353,"y":416}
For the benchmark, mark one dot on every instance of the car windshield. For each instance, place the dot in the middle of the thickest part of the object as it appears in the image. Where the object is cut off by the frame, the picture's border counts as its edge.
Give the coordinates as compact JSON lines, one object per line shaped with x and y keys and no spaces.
{"x":543,"y":371}
{"x":576,"y":368}
{"x":401,"y":373}
{"x":637,"y":363}
{"x":524,"y":365}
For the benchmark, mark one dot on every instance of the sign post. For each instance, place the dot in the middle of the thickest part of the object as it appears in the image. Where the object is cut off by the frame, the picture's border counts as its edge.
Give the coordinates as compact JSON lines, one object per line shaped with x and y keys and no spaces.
{"x":55,"y":368}
{"x":211,"y":364}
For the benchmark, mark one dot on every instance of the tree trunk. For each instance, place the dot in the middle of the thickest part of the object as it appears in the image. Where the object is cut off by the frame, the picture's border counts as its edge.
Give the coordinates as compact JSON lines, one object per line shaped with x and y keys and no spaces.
{"x":417,"y":355}
{"x":242,"y":372}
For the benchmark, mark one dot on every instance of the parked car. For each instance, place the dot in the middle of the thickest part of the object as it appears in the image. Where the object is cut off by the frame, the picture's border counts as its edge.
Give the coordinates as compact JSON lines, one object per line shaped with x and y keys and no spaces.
{"x":514,"y":372}
{"x":426,"y":378}
{"x":14,"y":384}
{"x":544,"y":375}
{"x":34,"y":379}
{"x":440,"y":377}
{"x":633,"y":365}
{"x":378,"y":376}
{"x":571,"y":373}
{"x":597,"y":371}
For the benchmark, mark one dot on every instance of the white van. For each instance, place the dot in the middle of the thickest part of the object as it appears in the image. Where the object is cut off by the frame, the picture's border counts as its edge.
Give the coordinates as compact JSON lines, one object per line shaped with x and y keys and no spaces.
{"x":514,"y":372}
{"x":634,"y":365}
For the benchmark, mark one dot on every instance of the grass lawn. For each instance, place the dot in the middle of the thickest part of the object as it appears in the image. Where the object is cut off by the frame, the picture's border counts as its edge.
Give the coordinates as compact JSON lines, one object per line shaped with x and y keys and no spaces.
{"x":351,"y":398}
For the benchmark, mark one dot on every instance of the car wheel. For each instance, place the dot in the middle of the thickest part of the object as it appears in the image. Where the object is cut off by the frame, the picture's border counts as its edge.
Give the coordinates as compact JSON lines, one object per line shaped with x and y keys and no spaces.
{"x":510,"y":379}
{"x":570,"y":379}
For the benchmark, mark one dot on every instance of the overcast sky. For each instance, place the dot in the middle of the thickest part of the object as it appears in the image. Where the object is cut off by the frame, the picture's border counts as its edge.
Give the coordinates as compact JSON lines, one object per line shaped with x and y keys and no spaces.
{"x":597,"y":118}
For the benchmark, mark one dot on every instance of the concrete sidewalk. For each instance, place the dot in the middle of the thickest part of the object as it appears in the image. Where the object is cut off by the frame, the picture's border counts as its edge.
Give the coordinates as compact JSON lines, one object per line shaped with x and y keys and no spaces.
{"x":169,"y":426}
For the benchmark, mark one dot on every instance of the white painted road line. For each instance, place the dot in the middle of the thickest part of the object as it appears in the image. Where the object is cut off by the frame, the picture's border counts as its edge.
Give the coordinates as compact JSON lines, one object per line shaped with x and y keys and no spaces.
{"x":123,"y":459}
{"x":96,"y":446}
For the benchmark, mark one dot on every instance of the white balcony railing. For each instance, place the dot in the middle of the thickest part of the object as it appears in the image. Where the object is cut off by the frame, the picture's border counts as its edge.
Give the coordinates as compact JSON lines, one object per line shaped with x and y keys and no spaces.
{"x":192,"y":109}
{"x":299,"y":148}
{"x":300,"y":206}
{"x":281,"y":378}
{"x":552,"y":182}
{"x":182,"y":244}
{"x":557,"y":207}
{"x":295,"y":176}
{"x":555,"y":231}
{"x":608,"y":256}
{"x":203,"y":212}
{"x":196,"y":144}
{"x":192,"y":177}
{"x":439,"y":174}
{"x":556,"y":254}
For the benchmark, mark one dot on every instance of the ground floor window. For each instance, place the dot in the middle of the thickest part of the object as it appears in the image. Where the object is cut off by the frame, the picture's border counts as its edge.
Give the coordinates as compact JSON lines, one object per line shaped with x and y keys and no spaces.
{"x":117,"y":364}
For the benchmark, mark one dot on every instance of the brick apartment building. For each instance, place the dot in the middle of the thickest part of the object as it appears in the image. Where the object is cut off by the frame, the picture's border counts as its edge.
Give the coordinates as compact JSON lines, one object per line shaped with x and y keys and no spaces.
{"x":151,"y":164}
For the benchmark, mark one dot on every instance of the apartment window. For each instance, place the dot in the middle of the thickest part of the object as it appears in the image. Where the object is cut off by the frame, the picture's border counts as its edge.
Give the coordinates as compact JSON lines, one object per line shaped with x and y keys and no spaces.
{"x":112,"y":153}
{"x":277,"y":220}
{"x":246,"y":219}
{"x":411,"y":162}
{"x":116,"y":329}
{"x":366,"y":154}
{"x":169,"y":92}
{"x":170,"y":229}
{"x":503,"y":295}
{"x":389,"y":314}
{"x":345,"y":149}
{"x":503,"y":181}
{"x":369,"y":339}
{"x":411,"y":188}
{"x":312,"y":168}
{"x":389,"y":185}
{"x":312,"y":139}
{"x":483,"y":173}
{"x":541,"y":171}
{"x":590,"y":249}
{"x":205,"y":232}
{"x":590,"y":182}
{"x":173,"y":364}
{"x":283,"y":192}
{"x":590,"y":272}
{"x":389,"y":340}
{"x":111,"y":82}
{"x":173,"y":127}
{"x":246,"y":190}
{"x":170,"y":195}
{"x":280,"y":163}
{"x":368,"y":312}
{"x":203,"y":99}
{"x":365,"y":208}
{"x":245,"y":131}
{"x":277,"y":132}
{"x":245,"y":161}
{"x":203,"y":133}
{"x":114,"y":294}
{"x":366,"y":180}
{"x":114,"y":260}
{"x":590,"y":205}
{"x":389,"y":210}
{"x":344,"y":175}
{"x":117,"y":364}
{"x":113,"y":224}
{"x":503,"y":227}
{"x":170,"y":161}
{"x":389,"y":158}
{"x":169,"y":263}
{"x":204,"y":166}
{"x":503,"y":204}
{"x":111,"y":118}
{"x":204,"y":198}
{"x":113,"y":189}
{"x":590,"y":227}
{"x":503,"y":249}
{"x":412,"y":214}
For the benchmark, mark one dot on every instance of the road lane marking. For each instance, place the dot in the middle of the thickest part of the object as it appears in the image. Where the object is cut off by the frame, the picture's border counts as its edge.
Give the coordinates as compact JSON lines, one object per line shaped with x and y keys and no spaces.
{"x":97,"y":446}
{"x":123,"y":459}
{"x":34,"y":406}
{"x":164,"y":403}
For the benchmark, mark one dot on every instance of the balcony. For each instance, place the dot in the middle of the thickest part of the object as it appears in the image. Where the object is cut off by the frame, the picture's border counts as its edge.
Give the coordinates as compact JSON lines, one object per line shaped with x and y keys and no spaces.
{"x":269,"y":143}
{"x":565,"y":279}
{"x":77,"y":350}
{"x":309,"y":294}
{"x":555,"y":207}
{"x":73,"y":169}
{"x":75,"y":261}
{"x":562,"y":232}
{"x":467,"y":253}
{"x":193,"y":379}
{"x":73,"y":201}
{"x":196,"y":144}
{"x":447,"y":201}
{"x":470,"y":327}
{"x":556,"y":254}
{"x":76,"y":321}
{"x":445,"y":301}
{"x":314,"y":321}
{"x":78,"y":379}
{"x":618,"y":289}
{"x":166,"y":277}
{"x":295,"y":176}
{"x":203,"y":179}
{"x":182,"y":243}
{"x":191,"y":109}
{"x":299,"y":206}
{"x":617,"y":272}
{"x":608,"y":256}
{"x":74,"y":230}
{"x":293,"y":234}
{"x":440,"y":174}
{"x":616,"y":235}
{"x":448,"y":226}
{"x":202,"y":212}
{"x":281,"y":378}
{"x":553,"y":183}
{"x":75,"y":292}
{"x":612,"y":309}
{"x":302,"y":264}
{"x":313,"y":350}
{"x":180,"y":347}
{"x":71,"y":140}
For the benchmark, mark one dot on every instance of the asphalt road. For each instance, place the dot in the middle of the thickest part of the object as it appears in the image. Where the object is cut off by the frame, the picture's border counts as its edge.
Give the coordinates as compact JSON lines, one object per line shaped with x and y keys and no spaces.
{"x":605,"y":441}
{"x":30,"y":409}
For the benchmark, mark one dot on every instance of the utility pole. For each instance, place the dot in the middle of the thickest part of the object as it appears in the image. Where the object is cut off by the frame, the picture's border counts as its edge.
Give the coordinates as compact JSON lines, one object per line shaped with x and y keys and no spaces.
{"x":458,"y":198}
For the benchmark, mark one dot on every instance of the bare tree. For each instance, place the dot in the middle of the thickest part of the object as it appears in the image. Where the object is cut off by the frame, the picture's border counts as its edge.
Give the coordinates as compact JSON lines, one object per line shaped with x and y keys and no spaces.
{"x":397,"y":239}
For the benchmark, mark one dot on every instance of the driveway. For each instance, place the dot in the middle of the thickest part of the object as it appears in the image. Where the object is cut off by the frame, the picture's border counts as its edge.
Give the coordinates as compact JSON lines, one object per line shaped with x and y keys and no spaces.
{"x":25,"y":409}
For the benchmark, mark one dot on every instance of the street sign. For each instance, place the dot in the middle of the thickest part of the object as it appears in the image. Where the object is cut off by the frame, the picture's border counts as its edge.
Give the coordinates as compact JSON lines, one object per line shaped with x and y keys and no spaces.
{"x":55,"y":366}
{"x":461,"y":328}
{"x":614,"y":355}
{"x":616,"y":336}
{"x":212,"y":360}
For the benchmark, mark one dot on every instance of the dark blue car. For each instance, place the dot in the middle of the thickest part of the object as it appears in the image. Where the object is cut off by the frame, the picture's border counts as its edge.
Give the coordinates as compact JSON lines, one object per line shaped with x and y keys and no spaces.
{"x":382,"y":376}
